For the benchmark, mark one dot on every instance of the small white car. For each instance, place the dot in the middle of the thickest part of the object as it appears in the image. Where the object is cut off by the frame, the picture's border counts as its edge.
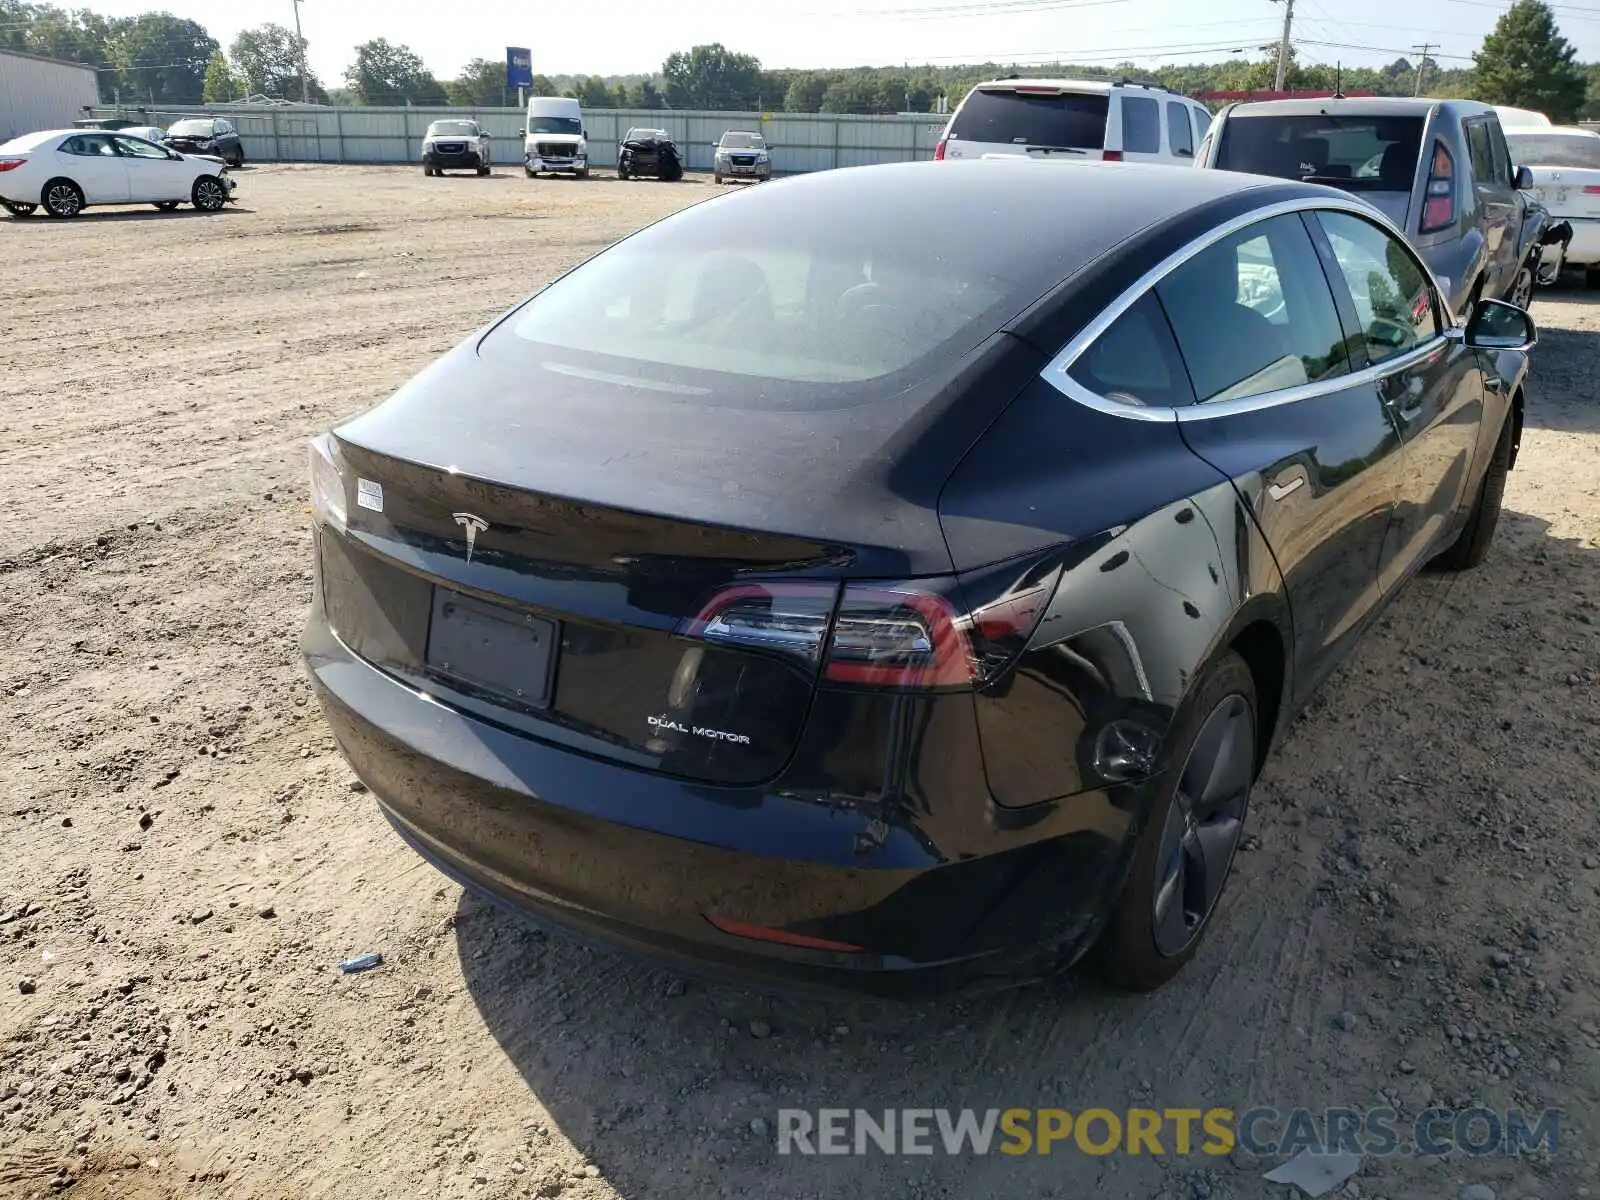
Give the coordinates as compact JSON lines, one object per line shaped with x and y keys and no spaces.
{"x":1075,"y":120}
{"x":1565,"y":163}
{"x":68,"y":170}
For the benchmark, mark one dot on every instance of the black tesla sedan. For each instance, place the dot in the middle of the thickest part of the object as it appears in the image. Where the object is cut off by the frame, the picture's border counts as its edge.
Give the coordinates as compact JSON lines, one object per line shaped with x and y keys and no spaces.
{"x":897,"y":575}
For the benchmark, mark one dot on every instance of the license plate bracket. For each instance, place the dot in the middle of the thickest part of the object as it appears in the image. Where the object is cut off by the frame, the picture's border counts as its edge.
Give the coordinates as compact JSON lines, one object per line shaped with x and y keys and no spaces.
{"x":492,"y":648}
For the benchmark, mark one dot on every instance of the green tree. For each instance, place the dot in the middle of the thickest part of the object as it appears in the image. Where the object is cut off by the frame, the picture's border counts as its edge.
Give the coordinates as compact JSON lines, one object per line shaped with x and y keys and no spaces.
{"x":161,"y":58}
{"x":481,"y":84}
{"x":648,"y":96}
{"x":622,"y":95}
{"x":543,"y":85}
{"x":711,"y":77}
{"x":805,"y":93}
{"x":855,"y":93}
{"x":1526,"y":62}
{"x":591,"y":91}
{"x":267,"y":60}
{"x":384,"y":73}
{"x":221,"y":84}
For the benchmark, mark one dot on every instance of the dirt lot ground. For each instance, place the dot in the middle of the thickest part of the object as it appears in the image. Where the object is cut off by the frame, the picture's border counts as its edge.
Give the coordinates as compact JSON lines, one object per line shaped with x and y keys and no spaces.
{"x":184,"y":860}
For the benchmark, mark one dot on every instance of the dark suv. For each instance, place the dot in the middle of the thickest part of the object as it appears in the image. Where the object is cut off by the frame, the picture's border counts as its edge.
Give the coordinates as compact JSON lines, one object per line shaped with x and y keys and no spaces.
{"x":207,"y":135}
{"x":649,"y":152}
{"x":1439,"y":169}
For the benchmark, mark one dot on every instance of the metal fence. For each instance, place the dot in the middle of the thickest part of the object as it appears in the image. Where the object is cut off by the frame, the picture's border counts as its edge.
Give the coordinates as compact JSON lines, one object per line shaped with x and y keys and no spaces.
{"x":799,"y":141}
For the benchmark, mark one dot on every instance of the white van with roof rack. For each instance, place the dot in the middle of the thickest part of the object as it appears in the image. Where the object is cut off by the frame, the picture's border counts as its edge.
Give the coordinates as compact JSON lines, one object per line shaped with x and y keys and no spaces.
{"x":1075,"y":120}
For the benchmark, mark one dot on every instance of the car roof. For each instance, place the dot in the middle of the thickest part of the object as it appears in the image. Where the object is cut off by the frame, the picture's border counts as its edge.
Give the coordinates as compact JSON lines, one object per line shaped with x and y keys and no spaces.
{"x":1550,"y":131}
{"x":1372,"y":106}
{"x":1091,"y":86}
{"x":31,"y":141}
{"x":741,"y":133}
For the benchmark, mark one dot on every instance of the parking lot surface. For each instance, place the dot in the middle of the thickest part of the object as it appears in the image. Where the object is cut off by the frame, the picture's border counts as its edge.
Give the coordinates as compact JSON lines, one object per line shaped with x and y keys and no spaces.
{"x":184,"y":858}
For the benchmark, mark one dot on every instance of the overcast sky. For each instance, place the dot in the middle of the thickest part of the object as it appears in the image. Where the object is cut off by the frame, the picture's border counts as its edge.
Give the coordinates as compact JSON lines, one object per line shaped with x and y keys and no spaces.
{"x":622,"y":36}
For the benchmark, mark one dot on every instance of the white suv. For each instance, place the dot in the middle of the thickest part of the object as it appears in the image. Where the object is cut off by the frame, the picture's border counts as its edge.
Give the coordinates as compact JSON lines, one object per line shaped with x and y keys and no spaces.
{"x":1075,"y":120}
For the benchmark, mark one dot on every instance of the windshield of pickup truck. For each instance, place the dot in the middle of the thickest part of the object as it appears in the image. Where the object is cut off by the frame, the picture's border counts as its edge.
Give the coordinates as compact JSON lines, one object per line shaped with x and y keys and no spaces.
{"x":1554,"y":149}
{"x":569,"y":125}
{"x":1358,"y":153}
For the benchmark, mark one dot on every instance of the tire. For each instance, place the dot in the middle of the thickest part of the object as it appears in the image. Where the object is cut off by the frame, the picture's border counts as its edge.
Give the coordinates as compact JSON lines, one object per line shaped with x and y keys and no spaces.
{"x":62,"y":198}
{"x":1591,"y":276}
{"x":1521,"y":293}
{"x":20,"y":210}
{"x":209,"y":194}
{"x":622,"y":172}
{"x":529,"y":171}
{"x":165,"y":205}
{"x":1471,"y":546}
{"x":717,"y":179}
{"x":1169,"y":897}
{"x":237,"y":160}
{"x":427,"y":172}
{"x":583,"y":174}
{"x":483,"y":171}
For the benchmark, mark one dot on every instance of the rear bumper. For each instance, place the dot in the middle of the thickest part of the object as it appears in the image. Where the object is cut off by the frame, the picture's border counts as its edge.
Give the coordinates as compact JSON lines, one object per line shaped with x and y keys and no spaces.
{"x":1584,"y":250}
{"x":640,"y":862}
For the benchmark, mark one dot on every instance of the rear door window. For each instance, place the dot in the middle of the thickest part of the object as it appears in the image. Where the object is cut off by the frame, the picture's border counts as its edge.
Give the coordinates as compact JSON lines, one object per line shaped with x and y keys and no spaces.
{"x":1141,"y":125}
{"x":1357,"y":153}
{"x":1481,"y":150}
{"x":1502,"y":153}
{"x":1254,"y":314}
{"x":1033,"y":119}
{"x":1178,"y":129}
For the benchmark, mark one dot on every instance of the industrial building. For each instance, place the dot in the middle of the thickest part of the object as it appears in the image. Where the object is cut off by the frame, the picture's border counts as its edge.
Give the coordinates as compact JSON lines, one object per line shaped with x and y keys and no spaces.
{"x":42,"y":93}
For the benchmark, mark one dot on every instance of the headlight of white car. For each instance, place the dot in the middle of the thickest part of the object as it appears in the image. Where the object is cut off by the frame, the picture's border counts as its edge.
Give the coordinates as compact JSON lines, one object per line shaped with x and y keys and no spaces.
{"x":327,"y":484}
{"x":762,"y":157}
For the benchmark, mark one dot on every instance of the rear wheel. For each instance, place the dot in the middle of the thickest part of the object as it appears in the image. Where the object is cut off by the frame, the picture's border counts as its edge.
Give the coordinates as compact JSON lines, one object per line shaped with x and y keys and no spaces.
{"x":237,"y":159}
{"x":1184,"y":854}
{"x":209,"y":194}
{"x":166,"y":205}
{"x":1472,"y":546}
{"x":1521,"y":293}
{"x":19,"y":210}
{"x":62,"y":198}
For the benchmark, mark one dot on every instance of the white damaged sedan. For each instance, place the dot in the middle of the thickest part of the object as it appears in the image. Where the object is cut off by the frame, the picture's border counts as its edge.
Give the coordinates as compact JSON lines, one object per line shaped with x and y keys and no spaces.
{"x":67,"y":170}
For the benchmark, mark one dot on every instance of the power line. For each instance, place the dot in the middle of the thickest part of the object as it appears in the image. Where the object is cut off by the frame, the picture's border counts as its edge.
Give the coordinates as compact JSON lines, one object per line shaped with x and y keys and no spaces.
{"x":1377,"y":49}
{"x":967,"y":8}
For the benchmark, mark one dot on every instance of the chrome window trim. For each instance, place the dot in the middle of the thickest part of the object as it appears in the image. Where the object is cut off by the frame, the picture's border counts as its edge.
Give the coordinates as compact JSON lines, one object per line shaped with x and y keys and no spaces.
{"x":1055,"y":371}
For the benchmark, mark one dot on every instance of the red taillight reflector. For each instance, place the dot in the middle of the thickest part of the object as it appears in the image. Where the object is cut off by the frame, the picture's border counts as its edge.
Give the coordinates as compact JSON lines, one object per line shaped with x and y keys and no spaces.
{"x":1438,"y":212}
{"x":1439,"y":205}
{"x":938,"y":151}
{"x":886,"y":637}
{"x":11,"y":164}
{"x":1591,"y":190}
{"x":782,"y":937}
{"x":1111,"y":156}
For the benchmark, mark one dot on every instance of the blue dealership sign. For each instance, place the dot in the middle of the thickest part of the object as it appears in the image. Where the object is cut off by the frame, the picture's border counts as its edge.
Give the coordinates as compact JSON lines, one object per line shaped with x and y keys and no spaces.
{"x":519,"y":66}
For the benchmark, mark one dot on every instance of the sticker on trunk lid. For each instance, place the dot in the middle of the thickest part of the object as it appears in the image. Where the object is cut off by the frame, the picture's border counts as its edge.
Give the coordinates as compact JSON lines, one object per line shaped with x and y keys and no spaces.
{"x":369,"y":494}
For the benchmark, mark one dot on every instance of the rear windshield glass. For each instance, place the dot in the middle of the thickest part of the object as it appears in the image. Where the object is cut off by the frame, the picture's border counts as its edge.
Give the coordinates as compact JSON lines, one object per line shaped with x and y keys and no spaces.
{"x":191,"y":128}
{"x":768,"y":307}
{"x":1554,"y":150}
{"x":452,"y":129}
{"x":1023,"y":119}
{"x":1357,"y":153}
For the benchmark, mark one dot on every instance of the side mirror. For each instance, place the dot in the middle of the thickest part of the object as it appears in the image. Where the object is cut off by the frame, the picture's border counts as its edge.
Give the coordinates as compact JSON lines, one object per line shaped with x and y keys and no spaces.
{"x":1496,"y":325}
{"x":1524,"y":179}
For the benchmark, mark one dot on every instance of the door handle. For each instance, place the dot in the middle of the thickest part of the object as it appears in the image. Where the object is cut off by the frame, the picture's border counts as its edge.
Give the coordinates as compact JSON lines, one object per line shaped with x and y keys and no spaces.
{"x":1493,"y":383}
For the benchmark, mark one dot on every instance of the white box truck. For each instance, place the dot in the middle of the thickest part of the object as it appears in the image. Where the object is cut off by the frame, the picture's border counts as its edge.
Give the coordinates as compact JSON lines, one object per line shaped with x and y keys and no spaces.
{"x":556,"y":140}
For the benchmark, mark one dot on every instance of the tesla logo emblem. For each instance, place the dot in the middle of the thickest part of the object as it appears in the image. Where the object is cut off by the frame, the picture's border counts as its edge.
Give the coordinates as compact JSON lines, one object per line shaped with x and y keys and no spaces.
{"x":473,"y":526}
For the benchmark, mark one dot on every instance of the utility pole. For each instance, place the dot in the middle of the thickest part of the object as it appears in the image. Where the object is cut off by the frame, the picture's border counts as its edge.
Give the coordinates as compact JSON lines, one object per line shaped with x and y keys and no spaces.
{"x":1422,"y":63}
{"x":300,"y":44}
{"x":1283,"y":46}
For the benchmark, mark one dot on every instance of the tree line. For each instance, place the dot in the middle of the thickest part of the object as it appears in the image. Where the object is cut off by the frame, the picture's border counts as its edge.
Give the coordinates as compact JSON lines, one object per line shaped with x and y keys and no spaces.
{"x":157,"y":58}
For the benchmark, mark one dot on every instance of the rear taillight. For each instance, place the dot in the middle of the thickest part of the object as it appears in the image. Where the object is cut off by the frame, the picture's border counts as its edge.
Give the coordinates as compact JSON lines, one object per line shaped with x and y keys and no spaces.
{"x":327,"y":484}
{"x":1439,"y":200}
{"x":1591,"y":190}
{"x":1111,"y":156}
{"x":11,"y":164}
{"x":938,"y":151}
{"x":909,"y":635}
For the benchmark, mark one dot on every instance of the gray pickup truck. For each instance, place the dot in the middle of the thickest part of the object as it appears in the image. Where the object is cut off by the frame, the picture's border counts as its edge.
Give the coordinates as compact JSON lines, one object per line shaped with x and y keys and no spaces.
{"x":1439,"y":169}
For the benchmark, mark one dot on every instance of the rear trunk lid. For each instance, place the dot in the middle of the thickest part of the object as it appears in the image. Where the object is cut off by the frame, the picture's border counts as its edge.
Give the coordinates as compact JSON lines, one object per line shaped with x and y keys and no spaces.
{"x":554,"y":574}
{"x":1568,"y":191}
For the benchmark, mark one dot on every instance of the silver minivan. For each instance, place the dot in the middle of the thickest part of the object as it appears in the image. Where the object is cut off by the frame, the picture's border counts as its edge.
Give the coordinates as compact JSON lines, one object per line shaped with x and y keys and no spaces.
{"x":1075,"y":120}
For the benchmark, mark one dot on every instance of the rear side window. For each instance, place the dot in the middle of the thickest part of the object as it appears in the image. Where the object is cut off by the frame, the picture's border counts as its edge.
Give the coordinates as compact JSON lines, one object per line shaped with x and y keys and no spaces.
{"x":1394,"y":303}
{"x":1202,"y":121}
{"x":1141,"y":125}
{"x":1481,"y":150}
{"x":1253,"y":314}
{"x":1136,"y":361}
{"x":1178,"y":129}
{"x":1357,"y":153}
{"x":1029,"y":119}
{"x":1502,"y":154}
